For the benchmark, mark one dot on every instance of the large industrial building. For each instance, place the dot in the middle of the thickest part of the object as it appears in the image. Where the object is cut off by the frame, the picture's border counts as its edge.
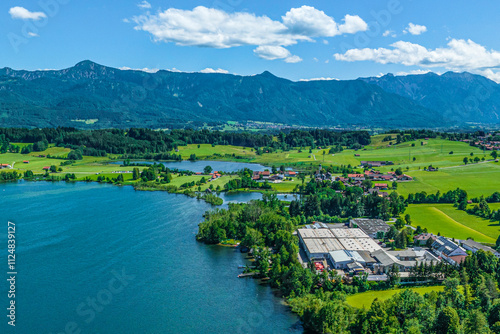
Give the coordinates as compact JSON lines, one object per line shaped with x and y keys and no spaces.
{"x":318,"y":243}
{"x":351,"y":249}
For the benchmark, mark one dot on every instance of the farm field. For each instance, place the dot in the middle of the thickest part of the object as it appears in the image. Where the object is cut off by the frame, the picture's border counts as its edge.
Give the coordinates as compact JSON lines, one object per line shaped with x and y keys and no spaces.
{"x":477,"y":179}
{"x":453,"y":223}
{"x":365,"y":299}
{"x":435,"y":152}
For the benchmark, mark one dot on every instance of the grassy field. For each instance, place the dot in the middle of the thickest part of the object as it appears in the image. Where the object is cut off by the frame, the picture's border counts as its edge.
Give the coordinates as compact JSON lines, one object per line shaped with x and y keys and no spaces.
{"x":365,"y":299}
{"x":206,"y":150}
{"x":453,"y":223}
{"x":476,"y":179}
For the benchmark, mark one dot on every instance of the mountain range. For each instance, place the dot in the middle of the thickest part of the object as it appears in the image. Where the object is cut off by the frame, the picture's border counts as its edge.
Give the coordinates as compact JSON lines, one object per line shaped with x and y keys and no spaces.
{"x":90,"y":95}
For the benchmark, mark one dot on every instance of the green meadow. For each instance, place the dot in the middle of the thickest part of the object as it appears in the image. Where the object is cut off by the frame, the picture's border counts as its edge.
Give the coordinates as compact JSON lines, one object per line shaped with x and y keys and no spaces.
{"x":451,"y":222}
{"x":365,"y":299}
{"x":477,"y":179}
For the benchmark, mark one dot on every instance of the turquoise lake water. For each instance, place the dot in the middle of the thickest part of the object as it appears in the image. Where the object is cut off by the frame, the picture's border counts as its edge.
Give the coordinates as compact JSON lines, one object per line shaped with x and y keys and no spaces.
{"x":95,"y":258}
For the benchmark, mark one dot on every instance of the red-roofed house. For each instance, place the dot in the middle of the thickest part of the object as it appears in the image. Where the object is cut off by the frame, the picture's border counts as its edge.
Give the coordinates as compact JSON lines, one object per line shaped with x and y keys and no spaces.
{"x":357,"y":177}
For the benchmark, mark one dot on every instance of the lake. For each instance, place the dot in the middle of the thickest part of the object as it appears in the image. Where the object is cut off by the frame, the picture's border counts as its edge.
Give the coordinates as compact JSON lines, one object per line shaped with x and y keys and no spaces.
{"x":94,"y":258}
{"x":197,"y":166}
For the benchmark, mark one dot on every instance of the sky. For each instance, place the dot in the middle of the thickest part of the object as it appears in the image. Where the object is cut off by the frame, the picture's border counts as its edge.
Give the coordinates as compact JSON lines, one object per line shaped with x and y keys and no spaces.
{"x":297,"y":40}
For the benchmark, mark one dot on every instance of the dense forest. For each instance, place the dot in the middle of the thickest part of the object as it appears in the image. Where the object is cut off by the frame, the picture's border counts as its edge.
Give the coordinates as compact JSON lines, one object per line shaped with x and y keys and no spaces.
{"x":145,"y":142}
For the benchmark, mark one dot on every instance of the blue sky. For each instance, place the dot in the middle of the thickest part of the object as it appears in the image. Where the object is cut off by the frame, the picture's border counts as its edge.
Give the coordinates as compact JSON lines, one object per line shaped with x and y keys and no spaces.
{"x":293,"y":39}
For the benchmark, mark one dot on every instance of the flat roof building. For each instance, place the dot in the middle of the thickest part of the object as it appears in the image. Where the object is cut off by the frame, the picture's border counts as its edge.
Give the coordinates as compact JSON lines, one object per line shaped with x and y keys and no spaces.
{"x":372,"y":227}
{"x":318,"y":243}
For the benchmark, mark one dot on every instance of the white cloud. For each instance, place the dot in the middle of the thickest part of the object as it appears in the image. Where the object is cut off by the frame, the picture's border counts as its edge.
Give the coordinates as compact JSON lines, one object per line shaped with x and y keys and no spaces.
{"x":352,"y":24}
{"x":32,"y":34}
{"x":309,"y":21}
{"x":24,"y":14}
{"x":148,"y":70}
{"x":459,"y":55}
{"x":271,"y":52}
{"x":211,"y":70}
{"x":319,"y":79}
{"x":215,"y":28}
{"x":412,"y":72}
{"x":415,"y":29}
{"x":293,"y":59}
{"x":389,"y":33}
{"x":144,"y":5}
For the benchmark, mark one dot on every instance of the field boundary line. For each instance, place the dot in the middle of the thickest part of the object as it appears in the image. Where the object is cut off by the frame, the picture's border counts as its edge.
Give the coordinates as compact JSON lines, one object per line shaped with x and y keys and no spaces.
{"x":467,"y":227}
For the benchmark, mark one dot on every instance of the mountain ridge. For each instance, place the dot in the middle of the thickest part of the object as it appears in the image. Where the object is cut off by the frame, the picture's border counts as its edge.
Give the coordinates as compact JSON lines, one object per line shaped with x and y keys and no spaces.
{"x":111,"y":97}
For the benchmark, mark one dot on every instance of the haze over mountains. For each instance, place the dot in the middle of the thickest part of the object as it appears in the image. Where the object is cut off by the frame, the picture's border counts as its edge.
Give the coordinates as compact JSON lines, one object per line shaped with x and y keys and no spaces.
{"x":90,"y":95}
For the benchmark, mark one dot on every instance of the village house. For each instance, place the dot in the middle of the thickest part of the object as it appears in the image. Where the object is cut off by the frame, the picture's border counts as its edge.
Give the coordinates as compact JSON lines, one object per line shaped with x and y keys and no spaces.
{"x":376,"y":163}
{"x":423,"y":238}
{"x":261,"y":175}
{"x":404,"y":177}
{"x":356,"y":177}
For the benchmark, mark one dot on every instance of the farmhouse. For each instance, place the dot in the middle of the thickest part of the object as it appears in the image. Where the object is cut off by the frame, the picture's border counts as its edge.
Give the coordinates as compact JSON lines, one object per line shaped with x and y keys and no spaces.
{"x":2,"y":166}
{"x":376,"y":163}
{"x":261,"y":175}
{"x":404,"y":177}
{"x":381,"y":186}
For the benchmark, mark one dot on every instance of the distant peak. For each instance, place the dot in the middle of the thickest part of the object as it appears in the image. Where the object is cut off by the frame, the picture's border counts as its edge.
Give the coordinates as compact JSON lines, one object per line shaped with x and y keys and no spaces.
{"x":267,"y":74}
{"x":87,"y":64}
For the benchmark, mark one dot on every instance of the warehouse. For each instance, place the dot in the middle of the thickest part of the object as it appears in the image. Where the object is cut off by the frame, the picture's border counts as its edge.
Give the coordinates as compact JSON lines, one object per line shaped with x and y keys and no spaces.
{"x":318,"y":243}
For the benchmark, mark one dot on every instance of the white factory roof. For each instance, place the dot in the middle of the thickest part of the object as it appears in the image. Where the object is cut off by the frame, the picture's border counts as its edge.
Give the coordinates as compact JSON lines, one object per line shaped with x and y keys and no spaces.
{"x":326,"y":240}
{"x":360,"y":244}
{"x":343,"y":256}
{"x":350,"y":233}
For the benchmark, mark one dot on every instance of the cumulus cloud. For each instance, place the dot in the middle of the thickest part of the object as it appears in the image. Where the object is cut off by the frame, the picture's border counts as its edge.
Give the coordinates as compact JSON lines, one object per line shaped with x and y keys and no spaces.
{"x":144,"y":5}
{"x":211,"y":70}
{"x":272,"y":52}
{"x":319,"y":79}
{"x":145,"y":69}
{"x":415,"y":29}
{"x":459,"y":55}
{"x":215,"y":28}
{"x":389,"y":33}
{"x":412,"y":72}
{"x":352,"y":24}
{"x":24,"y":14}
